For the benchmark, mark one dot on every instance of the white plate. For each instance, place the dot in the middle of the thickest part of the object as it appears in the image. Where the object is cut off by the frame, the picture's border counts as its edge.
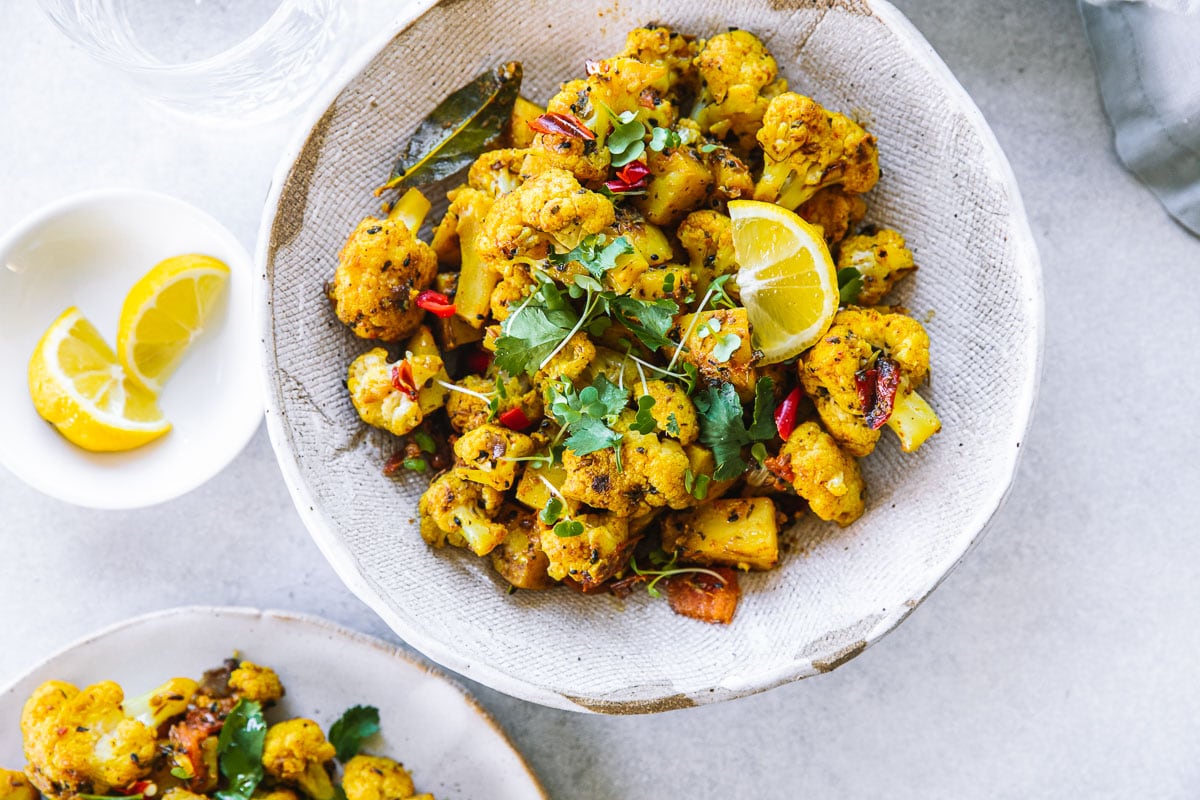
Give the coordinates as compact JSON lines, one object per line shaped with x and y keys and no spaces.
{"x":88,"y":251}
{"x":452,"y":746}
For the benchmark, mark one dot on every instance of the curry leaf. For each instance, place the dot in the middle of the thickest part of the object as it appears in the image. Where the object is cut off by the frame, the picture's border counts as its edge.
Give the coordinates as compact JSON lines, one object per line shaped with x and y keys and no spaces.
{"x":459,"y":129}
{"x":351,"y":729}
{"x":240,"y":749}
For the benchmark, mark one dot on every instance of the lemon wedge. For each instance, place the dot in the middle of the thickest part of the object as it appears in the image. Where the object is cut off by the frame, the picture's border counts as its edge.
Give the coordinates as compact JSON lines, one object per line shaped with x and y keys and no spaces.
{"x":165,"y":312}
{"x":78,"y":385}
{"x":786,"y":277}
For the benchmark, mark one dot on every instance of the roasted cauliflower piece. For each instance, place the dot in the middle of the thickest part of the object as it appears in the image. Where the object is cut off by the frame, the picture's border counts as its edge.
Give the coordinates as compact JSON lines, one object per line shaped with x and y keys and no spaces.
{"x":546,"y":213}
{"x":81,"y":741}
{"x":807,"y":148}
{"x":651,"y":475}
{"x":296,"y":752}
{"x":673,"y":411}
{"x":734,"y":532}
{"x":594,"y":556}
{"x":158,"y":705}
{"x":673,"y":51}
{"x":381,"y":269}
{"x":570,"y":362}
{"x":833,"y":370}
{"x":738,"y":79}
{"x":822,"y":473}
{"x":15,"y":786}
{"x":485,"y":455}
{"x":395,"y":396}
{"x":707,"y":237}
{"x":376,"y":778}
{"x":718,"y":344}
{"x":731,"y":178}
{"x":251,"y":681}
{"x":880,"y":258}
{"x":462,"y":512}
{"x":836,"y":212}
{"x":497,"y":172}
{"x":456,"y":241}
{"x":468,"y":409}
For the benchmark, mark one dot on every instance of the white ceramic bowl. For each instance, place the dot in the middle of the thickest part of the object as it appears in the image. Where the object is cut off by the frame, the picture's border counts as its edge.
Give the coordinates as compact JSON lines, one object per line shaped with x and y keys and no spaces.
{"x":87,"y":251}
{"x":946,"y":185}
{"x":450,"y":744}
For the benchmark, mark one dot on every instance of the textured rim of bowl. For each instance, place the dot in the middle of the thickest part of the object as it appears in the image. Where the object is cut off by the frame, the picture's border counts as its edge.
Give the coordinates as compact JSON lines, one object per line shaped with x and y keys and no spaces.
{"x":289,"y":618}
{"x":48,"y":212}
{"x":325,"y":535}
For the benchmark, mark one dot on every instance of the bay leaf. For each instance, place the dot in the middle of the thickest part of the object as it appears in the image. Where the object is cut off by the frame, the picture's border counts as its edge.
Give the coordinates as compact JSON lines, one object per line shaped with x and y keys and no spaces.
{"x":459,"y":130}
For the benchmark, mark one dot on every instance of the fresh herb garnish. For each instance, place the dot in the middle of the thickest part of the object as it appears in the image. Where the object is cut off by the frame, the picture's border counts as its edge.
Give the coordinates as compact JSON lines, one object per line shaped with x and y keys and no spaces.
{"x":593,"y":255}
{"x":672,"y":425}
{"x":644,"y":422}
{"x":240,"y":749}
{"x":666,"y":568}
{"x":648,"y":320}
{"x":552,"y":511}
{"x":850,"y":284}
{"x":664,"y":139}
{"x":586,"y":415}
{"x":459,"y":129}
{"x":568,"y":529}
{"x":356,"y":725}
{"x":723,"y":429}
{"x":625,"y":141}
{"x":533,"y":333}
{"x":726,"y":345}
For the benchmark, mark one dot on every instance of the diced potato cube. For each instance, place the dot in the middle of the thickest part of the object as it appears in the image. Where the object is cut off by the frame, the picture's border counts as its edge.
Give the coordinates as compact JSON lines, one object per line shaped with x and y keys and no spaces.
{"x":453,"y":331}
{"x":519,"y":558}
{"x":524,"y":112}
{"x":532,"y":490}
{"x":679,"y":183}
{"x":710,"y":337}
{"x":671,"y":281}
{"x":486,"y":455}
{"x":735,"y":532}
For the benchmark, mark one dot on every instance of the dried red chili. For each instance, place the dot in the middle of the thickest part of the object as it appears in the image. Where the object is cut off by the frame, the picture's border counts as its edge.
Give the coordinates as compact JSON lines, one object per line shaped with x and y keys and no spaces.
{"x":630,"y":178}
{"x":515,"y":419}
{"x":785,"y":414}
{"x":876,"y":388}
{"x":567,"y":125}
{"x":403,"y":380}
{"x":435,"y":303}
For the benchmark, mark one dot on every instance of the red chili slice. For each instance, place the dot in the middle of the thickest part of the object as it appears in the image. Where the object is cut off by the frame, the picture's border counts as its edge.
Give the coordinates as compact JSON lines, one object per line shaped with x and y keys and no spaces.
{"x":478,"y":361}
{"x":630,"y":178}
{"x":877,"y":391}
{"x":567,"y":125}
{"x":435,"y":303}
{"x":515,"y":419}
{"x":403,"y":380}
{"x":785,"y":414}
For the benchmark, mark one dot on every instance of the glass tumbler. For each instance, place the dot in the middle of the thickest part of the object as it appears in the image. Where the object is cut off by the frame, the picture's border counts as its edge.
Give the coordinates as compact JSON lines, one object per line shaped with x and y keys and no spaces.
{"x":230,"y":61}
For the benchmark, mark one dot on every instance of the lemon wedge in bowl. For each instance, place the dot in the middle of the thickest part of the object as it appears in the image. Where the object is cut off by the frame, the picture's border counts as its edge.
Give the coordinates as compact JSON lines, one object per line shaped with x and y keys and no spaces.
{"x":786,"y":277}
{"x":164,"y":312}
{"x":79,"y":386}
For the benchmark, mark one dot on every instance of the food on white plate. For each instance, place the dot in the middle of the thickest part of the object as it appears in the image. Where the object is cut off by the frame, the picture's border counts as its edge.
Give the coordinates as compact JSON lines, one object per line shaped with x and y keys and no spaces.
{"x":648,"y":331}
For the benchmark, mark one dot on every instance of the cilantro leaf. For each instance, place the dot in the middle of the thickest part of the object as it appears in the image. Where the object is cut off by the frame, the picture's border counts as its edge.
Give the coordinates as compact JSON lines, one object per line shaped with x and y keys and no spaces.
{"x":672,"y":425}
{"x":585,"y":414}
{"x":532,"y":332}
{"x":722,"y":429}
{"x":648,"y":320}
{"x":240,"y":749}
{"x":355,"y":725}
{"x":594,"y":256}
{"x":589,"y":435}
{"x":763,"y":426}
{"x":850,"y":284}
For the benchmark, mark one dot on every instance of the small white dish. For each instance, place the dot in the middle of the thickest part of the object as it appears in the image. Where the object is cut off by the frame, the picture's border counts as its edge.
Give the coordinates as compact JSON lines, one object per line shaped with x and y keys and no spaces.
{"x":450,"y":744}
{"x":87,"y":251}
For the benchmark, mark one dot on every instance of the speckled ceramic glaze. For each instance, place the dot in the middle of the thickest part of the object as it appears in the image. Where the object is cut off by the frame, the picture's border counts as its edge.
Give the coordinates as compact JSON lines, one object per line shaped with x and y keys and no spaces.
{"x":450,"y":744}
{"x":945,"y":185}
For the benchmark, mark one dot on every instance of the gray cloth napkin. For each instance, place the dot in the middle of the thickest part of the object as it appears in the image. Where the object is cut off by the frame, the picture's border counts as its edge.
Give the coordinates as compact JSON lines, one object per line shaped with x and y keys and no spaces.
{"x":1147,"y":56}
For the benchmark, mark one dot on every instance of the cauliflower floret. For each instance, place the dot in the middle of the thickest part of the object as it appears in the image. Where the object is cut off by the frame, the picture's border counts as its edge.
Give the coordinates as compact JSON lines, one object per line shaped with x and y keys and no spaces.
{"x":731,"y":177}
{"x":296,"y":752}
{"x":461,"y":512}
{"x":707,"y":236}
{"x":548,"y":212}
{"x":15,"y":786}
{"x":376,"y":778}
{"x":829,"y":372}
{"x":822,"y":473}
{"x":592,"y":557}
{"x":467,"y":410}
{"x":381,"y":268}
{"x":807,"y":148}
{"x":82,"y":741}
{"x":485,"y":455}
{"x":673,"y":411}
{"x":627,"y":84}
{"x":570,"y":362}
{"x":738,"y":77}
{"x":664,"y":47}
{"x":834,"y":211}
{"x":881,"y":259}
{"x":389,"y":395}
{"x":519,"y":558}
{"x":651,"y":474}
{"x":497,"y":172}
{"x":511,"y":291}
{"x":253,"y":682}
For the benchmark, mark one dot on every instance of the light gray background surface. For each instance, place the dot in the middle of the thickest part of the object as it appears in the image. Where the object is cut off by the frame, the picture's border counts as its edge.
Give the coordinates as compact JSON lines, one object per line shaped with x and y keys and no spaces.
{"x":1060,"y":660}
